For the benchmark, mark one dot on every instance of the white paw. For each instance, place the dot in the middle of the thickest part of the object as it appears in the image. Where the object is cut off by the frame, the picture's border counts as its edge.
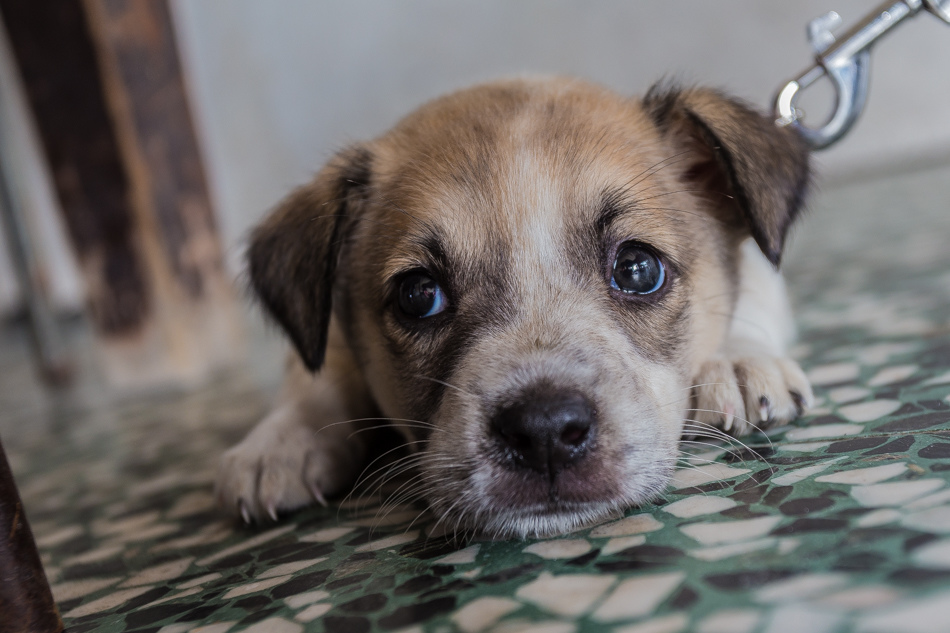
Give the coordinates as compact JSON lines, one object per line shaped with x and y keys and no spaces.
{"x":283,"y":465}
{"x":742,"y":392}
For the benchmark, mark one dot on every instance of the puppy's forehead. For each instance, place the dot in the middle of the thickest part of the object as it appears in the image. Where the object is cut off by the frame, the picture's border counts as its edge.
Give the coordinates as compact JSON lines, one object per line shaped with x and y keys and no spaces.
{"x":513,"y":160}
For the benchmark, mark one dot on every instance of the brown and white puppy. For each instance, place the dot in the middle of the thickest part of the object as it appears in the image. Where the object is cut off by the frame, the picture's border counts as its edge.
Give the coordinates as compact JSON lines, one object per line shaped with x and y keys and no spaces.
{"x":537,"y":282}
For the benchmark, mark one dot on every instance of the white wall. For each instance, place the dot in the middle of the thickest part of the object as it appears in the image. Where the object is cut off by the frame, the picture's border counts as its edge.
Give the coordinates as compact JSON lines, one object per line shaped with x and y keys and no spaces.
{"x":279,"y":85}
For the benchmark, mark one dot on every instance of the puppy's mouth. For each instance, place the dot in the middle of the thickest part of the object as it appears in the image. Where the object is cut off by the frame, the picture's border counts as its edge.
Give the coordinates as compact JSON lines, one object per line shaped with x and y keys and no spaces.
{"x":504,"y":503}
{"x":504,"y":497}
{"x":514,"y":507}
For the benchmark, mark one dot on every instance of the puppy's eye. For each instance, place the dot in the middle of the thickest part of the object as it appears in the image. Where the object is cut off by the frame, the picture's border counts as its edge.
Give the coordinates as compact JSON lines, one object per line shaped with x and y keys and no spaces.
{"x":420,"y":296}
{"x":637,"y":270}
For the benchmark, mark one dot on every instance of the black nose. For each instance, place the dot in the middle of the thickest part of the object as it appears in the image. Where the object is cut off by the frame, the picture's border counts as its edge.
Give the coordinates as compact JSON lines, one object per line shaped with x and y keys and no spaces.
{"x":546,"y":429}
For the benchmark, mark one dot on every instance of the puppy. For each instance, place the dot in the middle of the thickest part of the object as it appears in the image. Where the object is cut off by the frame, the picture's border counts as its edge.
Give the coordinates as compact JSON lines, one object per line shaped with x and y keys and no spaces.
{"x":542,"y":285}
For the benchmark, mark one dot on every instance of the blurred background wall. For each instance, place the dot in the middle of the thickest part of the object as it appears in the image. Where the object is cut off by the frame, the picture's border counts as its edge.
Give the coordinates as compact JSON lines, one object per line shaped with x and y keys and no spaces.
{"x":276,"y":87}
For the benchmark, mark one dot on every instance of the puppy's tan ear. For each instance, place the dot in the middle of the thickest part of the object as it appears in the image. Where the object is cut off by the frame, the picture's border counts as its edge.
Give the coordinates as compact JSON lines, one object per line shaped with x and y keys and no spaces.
{"x":735,"y":151}
{"x":292,"y":256}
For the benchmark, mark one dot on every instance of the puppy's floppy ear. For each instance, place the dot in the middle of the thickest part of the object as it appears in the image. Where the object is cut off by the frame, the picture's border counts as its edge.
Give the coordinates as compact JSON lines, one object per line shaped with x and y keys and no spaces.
{"x":738,"y":152}
{"x":292,"y":256}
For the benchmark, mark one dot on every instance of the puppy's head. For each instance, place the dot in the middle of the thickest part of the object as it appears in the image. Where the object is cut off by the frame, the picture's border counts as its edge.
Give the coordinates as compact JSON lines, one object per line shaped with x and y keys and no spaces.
{"x":534,"y":270}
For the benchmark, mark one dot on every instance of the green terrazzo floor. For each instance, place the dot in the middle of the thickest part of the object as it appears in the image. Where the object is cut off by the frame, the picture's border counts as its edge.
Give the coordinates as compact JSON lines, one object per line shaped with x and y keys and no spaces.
{"x":835,"y":524}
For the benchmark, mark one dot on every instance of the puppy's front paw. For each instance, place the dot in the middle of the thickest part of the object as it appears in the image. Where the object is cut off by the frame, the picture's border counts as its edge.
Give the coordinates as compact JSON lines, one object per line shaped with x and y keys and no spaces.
{"x":741,"y":392}
{"x":284,"y":464}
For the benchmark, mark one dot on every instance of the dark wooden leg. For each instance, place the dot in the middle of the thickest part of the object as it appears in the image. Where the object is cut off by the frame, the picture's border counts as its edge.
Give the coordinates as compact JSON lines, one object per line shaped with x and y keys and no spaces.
{"x":26,"y":603}
{"x":57,"y":61}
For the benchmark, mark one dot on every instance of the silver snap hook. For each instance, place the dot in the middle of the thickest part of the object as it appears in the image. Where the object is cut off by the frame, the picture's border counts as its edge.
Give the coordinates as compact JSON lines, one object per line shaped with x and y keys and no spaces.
{"x":845,"y":60}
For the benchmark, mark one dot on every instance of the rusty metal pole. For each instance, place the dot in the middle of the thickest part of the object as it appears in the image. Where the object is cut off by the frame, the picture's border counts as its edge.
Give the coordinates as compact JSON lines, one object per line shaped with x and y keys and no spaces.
{"x":26,"y":603}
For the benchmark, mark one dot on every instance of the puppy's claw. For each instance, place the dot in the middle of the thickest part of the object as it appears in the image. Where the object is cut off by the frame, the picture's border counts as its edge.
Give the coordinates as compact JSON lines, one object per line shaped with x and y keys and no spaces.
{"x":317,"y":495}
{"x":764,"y":405}
{"x":730,"y":417}
{"x":272,"y":512}
{"x":799,"y":401}
{"x":244,"y":512}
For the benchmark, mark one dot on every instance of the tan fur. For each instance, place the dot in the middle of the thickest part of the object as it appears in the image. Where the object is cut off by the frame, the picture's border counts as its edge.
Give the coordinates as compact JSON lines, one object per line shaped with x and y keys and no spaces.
{"x":508,"y":182}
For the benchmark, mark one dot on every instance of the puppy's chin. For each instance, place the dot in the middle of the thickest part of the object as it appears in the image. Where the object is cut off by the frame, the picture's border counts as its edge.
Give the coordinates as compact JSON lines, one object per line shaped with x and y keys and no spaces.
{"x":541,"y":520}
{"x":549,"y":519}
{"x":502,"y":503}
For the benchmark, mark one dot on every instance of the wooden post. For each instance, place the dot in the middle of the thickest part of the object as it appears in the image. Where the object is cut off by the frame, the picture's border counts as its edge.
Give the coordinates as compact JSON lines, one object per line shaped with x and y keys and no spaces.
{"x":26,"y":604}
{"x":105,"y":84}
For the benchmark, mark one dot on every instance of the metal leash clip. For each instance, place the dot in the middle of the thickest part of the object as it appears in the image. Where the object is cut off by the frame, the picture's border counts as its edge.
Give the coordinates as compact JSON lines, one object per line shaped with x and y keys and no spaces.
{"x":845,"y":60}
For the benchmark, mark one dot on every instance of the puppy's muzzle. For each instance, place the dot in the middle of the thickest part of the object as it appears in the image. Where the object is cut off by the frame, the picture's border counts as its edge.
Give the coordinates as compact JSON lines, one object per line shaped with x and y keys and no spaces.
{"x":545,"y":430}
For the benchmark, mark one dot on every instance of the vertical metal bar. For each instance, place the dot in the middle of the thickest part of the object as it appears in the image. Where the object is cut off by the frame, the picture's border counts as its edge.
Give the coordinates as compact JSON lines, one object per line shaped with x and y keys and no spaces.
{"x":54,"y":366}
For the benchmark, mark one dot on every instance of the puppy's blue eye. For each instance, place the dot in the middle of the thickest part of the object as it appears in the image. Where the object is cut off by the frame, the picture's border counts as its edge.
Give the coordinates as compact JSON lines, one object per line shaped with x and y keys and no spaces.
{"x":420,"y":296}
{"x":637,"y":271}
